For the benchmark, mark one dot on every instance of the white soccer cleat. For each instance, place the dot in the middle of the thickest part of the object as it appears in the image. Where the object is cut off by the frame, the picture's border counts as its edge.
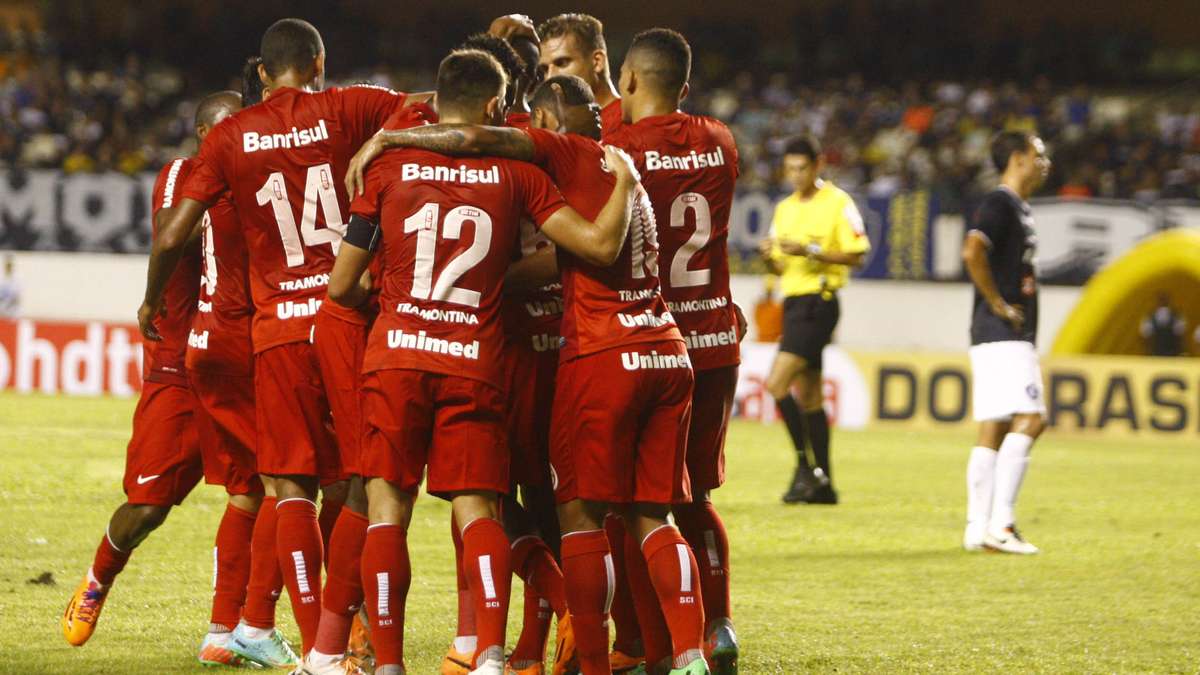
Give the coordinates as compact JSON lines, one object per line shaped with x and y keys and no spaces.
{"x":490,"y":667}
{"x":1008,"y":540}
{"x":974,"y":537}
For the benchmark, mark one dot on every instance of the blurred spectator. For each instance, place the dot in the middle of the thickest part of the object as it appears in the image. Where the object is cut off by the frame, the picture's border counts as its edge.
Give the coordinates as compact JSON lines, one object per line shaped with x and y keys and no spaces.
{"x":768,"y":313}
{"x":10,"y":291}
{"x":1163,"y":329}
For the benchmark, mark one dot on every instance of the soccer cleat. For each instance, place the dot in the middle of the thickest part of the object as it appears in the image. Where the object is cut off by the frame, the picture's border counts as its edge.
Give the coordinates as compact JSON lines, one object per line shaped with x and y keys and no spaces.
{"x":624,"y":664}
{"x":535,"y":669}
{"x":346,"y":666}
{"x":214,"y":651}
{"x":805,"y":482}
{"x":1008,"y":540}
{"x":83,"y":611}
{"x":697,"y":667}
{"x":270,"y":652}
{"x":360,"y":640}
{"x":974,"y":536}
{"x":721,"y":648}
{"x":565,"y":660}
{"x":490,"y":667}
{"x":455,"y":662}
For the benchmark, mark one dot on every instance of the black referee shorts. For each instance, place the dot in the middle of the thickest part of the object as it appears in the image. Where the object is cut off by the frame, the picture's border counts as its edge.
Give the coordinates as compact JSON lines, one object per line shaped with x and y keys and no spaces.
{"x":808,"y":323}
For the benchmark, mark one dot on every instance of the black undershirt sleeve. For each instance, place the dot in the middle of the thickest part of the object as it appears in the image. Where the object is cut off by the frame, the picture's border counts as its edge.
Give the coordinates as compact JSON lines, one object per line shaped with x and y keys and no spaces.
{"x":362,"y":233}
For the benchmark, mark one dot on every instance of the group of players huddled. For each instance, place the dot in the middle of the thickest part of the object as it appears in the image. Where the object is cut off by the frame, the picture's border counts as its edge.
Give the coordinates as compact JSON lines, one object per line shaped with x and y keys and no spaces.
{"x":519,"y":280}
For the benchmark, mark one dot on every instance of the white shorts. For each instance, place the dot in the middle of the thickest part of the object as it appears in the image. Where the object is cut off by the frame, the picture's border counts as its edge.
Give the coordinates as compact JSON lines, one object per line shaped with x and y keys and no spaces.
{"x":1006,"y":380}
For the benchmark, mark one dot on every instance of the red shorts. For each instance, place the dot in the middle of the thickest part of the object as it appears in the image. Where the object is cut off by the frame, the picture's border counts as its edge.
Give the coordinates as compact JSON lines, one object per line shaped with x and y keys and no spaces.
{"x":294,"y":437}
{"x":340,"y":346}
{"x":162,"y":461}
{"x":712,"y":404}
{"x":225,"y":422}
{"x":530,"y":398}
{"x":453,"y":425}
{"x":619,"y":435}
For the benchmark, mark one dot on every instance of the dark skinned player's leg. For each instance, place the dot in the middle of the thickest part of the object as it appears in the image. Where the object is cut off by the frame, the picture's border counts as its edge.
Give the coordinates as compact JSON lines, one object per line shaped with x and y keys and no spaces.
{"x":343,"y":592}
{"x":533,"y":562}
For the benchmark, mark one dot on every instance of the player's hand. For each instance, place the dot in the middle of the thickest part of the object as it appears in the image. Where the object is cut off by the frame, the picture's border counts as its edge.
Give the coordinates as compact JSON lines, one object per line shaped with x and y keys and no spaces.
{"x":793,"y":248}
{"x":513,"y":26}
{"x":355,"y":184}
{"x":620,"y":164}
{"x":742,"y":324}
{"x":147,"y":313}
{"x":1015,"y":316}
{"x":766,"y":247}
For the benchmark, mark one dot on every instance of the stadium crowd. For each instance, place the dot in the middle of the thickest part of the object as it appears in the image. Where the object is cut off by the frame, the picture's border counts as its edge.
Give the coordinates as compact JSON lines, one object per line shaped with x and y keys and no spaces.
{"x":133,"y":116}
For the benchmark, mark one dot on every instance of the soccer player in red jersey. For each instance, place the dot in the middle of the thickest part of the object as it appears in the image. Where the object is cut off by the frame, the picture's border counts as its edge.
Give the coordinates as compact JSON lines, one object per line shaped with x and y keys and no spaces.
{"x":162,"y":461}
{"x":613,"y":316}
{"x":573,"y":44}
{"x":689,"y":165}
{"x":282,"y":161}
{"x":434,"y":387}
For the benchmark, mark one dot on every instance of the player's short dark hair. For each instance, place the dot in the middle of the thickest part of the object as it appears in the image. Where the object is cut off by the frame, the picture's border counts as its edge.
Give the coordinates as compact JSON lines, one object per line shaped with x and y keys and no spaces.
{"x":587,"y":29}
{"x":1005,"y":143}
{"x":509,"y":59}
{"x":213,"y":105}
{"x":529,"y":51}
{"x":805,"y":145}
{"x":575,"y":92}
{"x":668,"y":57}
{"x":288,"y":44}
{"x":252,"y":84}
{"x":467,"y":78}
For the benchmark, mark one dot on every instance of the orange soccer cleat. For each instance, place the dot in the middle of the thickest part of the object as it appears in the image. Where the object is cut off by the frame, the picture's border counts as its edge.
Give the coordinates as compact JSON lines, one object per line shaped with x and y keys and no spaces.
{"x":83,"y":611}
{"x":565,"y":661}
{"x":620,"y":662}
{"x":534,"y":669}
{"x":456,"y":663}
{"x":360,"y":640}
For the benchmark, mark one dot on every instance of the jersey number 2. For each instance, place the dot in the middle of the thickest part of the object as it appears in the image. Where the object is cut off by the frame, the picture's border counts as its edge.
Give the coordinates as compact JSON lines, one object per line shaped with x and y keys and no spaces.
{"x":318,"y":189}
{"x":425,"y":223}
{"x":681,"y":276}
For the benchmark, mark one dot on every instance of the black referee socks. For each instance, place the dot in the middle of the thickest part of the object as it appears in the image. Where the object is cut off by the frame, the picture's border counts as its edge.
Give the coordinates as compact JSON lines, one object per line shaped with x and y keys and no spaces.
{"x":794,"y":419}
{"x":818,"y":437}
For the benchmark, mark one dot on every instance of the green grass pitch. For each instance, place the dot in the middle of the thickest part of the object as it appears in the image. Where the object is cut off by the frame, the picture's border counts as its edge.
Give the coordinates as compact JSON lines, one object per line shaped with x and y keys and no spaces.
{"x":877,"y":584}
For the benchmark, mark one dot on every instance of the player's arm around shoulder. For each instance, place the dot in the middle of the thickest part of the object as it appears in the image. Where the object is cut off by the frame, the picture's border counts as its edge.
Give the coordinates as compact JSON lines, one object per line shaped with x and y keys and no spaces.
{"x":349,"y":281}
{"x":599,"y":242}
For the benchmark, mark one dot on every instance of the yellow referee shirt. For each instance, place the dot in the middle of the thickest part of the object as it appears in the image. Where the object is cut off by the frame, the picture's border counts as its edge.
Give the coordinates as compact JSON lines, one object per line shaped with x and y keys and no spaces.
{"x":828,"y":219}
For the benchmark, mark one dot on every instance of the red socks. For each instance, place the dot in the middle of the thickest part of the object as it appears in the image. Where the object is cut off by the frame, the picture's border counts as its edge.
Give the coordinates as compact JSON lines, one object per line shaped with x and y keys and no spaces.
{"x":386,"y":574}
{"x":588,"y":570}
{"x":343,"y":593}
{"x":533,"y":562}
{"x":327,"y":520}
{"x":108,"y":562}
{"x":266,"y":579}
{"x":624,"y":616}
{"x":231,"y":562}
{"x":466,"y":607}
{"x":655,"y":634}
{"x":701,"y":526}
{"x":535,"y":629}
{"x":489,"y":575}
{"x":298,"y":545}
{"x":673,"y":573}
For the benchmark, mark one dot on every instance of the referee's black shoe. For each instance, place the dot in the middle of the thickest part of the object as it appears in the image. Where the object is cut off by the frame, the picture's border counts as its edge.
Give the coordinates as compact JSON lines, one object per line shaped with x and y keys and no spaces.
{"x":810,"y":486}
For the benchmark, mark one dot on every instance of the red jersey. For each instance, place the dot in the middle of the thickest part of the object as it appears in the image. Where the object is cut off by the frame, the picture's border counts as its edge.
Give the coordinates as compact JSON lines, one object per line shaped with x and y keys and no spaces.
{"x":163,"y":362}
{"x":450,"y":228}
{"x":519,"y":120}
{"x":611,"y":119}
{"x":689,"y":166}
{"x":284,"y":162}
{"x":219,"y":341}
{"x":604,"y":307}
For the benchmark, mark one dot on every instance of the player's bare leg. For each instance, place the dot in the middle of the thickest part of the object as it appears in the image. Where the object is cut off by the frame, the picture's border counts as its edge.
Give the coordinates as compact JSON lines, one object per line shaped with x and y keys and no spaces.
{"x":129,"y":526}
{"x":702,"y":527}
{"x":786,"y":372}
{"x":1012,"y":460}
{"x":588,"y":569}
{"x":343,"y":592}
{"x":486,"y":563}
{"x":981,"y":481}
{"x":386,"y":571}
{"x":673,"y":573}
{"x":231,"y":576}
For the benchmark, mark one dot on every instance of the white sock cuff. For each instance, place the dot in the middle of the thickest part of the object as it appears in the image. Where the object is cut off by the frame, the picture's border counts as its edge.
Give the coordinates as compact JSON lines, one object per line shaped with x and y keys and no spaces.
{"x":522,"y":538}
{"x":572,"y":534}
{"x":653,"y":532}
{"x":281,"y":502}
{"x":110,"y":541}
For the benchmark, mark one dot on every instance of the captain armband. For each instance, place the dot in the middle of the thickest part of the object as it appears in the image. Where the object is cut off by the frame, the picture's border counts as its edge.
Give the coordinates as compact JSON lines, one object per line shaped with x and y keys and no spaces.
{"x":362,"y":233}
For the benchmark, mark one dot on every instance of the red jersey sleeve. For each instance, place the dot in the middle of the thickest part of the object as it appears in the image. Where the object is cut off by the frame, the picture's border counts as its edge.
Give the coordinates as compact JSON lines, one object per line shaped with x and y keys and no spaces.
{"x":369,"y":106}
{"x":169,"y":185}
{"x":537,"y":194}
{"x":553,"y":151}
{"x":209,"y":178}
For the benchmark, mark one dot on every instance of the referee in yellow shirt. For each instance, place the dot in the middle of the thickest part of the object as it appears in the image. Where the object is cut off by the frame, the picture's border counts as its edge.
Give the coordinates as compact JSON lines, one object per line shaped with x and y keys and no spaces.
{"x":816,"y":237}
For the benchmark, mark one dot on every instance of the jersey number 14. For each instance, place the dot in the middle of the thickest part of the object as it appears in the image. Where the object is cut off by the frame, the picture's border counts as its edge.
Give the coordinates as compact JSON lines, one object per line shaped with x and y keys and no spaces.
{"x":318,"y":189}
